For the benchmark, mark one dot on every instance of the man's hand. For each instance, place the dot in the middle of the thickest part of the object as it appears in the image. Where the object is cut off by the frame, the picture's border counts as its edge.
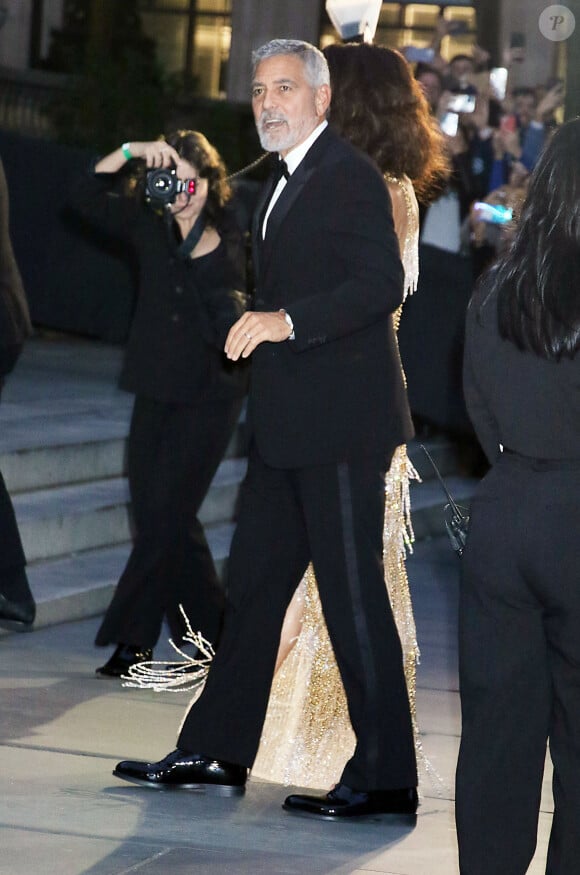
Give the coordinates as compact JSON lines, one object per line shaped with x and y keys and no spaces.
{"x":252,"y":329}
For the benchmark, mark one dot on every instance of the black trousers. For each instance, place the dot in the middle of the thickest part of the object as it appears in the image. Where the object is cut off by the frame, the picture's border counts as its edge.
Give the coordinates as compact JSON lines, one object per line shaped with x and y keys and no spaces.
{"x":520,"y":668}
{"x":332,"y":515}
{"x":13,"y":579}
{"x":173,"y":453}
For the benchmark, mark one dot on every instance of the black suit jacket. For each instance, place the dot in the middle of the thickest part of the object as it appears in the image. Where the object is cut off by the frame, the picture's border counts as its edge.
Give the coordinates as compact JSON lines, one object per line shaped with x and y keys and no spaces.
{"x":185,"y":307}
{"x":331,"y":259}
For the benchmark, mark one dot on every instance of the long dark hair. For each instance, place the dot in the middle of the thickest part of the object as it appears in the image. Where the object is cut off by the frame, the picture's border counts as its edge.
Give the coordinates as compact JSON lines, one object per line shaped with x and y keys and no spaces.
{"x":193,"y":147}
{"x":379,"y":107}
{"x":538,"y":279}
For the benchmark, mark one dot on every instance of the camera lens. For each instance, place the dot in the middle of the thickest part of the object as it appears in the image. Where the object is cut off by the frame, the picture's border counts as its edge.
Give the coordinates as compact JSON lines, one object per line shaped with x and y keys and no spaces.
{"x":162,"y":182}
{"x":161,"y":185}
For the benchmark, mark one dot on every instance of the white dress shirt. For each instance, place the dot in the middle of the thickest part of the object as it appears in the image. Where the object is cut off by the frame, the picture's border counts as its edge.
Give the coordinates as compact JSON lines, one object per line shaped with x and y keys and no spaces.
{"x":293,"y":159}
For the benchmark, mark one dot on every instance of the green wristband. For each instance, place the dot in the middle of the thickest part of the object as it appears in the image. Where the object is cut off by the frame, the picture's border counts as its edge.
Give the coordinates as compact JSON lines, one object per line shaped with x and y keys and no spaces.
{"x":126,"y":151}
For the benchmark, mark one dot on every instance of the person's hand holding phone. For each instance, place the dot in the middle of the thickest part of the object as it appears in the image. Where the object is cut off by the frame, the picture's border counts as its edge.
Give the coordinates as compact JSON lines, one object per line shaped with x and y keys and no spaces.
{"x":508,"y":123}
{"x":480,"y":115}
{"x":550,"y":101}
{"x":481,"y":57}
{"x":511,"y":141}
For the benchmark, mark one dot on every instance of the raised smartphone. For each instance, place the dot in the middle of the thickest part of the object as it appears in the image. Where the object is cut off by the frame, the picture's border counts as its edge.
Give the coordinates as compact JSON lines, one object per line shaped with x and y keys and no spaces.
{"x":498,"y":77}
{"x":461,"y":103}
{"x":495,"y":214}
{"x":449,"y":123}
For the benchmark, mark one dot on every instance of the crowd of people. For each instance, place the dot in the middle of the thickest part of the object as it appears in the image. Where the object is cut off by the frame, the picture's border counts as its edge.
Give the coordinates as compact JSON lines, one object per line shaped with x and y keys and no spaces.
{"x":494,"y":134}
{"x":377,"y":171}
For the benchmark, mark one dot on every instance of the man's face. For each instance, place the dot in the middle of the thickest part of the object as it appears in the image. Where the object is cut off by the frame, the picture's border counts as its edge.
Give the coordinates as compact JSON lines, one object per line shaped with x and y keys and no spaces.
{"x":525,"y":106}
{"x":461,"y":68}
{"x":286,"y":107}
{"x":431,"y":86}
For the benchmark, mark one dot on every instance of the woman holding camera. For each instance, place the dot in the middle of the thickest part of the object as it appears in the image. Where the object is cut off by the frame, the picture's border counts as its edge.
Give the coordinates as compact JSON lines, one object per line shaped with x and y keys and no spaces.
{"x":191,"y":289}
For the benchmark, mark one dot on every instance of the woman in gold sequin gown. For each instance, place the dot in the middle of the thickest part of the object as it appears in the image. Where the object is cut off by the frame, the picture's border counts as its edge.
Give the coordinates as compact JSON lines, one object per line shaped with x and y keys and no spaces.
{"x":307,"y":737}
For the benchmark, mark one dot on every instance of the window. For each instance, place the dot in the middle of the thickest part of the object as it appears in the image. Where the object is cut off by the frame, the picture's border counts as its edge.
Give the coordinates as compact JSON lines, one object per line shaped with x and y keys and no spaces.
{"x":193,"y":39}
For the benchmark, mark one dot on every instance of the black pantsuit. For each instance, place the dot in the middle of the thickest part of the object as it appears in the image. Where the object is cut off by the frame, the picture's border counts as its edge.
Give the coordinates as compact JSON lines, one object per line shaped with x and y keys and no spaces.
{"x":519,"y":616}
{"x":188,"y":400}
{"x":13,"y":580}
{"x":14,"y":328}
{"x":520,"y":668}
{"x":326,"y":411}
{"x":174,"y":452}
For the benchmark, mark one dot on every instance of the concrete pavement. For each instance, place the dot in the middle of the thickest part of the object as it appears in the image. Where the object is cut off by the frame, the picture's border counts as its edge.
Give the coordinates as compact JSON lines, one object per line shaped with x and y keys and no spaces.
{"x":62,"y":730}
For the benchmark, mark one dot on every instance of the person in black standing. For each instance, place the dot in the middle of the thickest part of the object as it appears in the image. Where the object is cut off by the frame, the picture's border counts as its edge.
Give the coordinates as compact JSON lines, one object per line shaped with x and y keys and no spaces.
{"x":519,"y":620}
{"x":17,"y":605}
{"x":188,"y":399}
{"x":327,"y":407}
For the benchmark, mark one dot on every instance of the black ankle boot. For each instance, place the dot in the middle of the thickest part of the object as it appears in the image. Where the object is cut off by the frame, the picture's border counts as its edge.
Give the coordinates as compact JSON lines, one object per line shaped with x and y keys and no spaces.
{"x":123,"y":658}
{"x":17,"y":605}
{"x":18,"y":616}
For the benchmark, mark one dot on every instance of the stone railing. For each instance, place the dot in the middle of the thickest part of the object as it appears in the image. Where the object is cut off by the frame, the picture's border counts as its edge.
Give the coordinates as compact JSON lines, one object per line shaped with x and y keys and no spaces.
{"x":26,"y":97}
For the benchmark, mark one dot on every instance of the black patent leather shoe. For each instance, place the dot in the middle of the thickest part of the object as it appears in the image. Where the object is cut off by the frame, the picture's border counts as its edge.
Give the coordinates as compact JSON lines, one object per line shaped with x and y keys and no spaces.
{"x":123,"y":658}
{"x":17,"y":616}
{"x":342,"y":802}
{"x":186,"y":771}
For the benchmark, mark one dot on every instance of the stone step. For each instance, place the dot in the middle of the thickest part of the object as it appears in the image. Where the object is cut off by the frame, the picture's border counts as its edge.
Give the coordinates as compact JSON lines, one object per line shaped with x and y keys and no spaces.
{"x":82,"y":584}
{"x":42,"y":452}
{"x":71,"y":518}
{"x":68,"y":519}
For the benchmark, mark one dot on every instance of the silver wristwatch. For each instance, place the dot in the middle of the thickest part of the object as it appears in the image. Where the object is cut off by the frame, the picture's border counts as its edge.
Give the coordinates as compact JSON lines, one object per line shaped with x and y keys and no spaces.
{"x":290,"y":324}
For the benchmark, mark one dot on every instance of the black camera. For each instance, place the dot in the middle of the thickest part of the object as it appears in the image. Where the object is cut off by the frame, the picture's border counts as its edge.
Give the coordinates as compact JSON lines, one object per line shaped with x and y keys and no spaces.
{"x":162,"y":185}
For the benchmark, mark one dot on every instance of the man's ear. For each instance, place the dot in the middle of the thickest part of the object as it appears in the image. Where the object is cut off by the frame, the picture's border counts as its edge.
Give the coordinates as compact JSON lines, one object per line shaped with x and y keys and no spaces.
{"x":322,"y":100}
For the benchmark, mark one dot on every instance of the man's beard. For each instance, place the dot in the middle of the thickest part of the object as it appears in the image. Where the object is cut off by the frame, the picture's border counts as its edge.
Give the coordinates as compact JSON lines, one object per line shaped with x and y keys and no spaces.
{"x":282,"y":138}
{"x":277,"y":139}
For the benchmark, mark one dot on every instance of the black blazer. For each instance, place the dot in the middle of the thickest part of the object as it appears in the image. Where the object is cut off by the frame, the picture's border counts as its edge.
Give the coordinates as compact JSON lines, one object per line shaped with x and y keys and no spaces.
{"x":185,"y":307}
{"x":14,"y":317}
{"x":331,"y":259}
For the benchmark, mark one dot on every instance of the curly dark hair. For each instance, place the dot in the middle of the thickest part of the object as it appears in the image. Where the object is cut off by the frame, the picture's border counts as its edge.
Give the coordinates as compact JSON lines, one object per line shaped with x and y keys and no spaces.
{"x":379,"y":107}
{"x":195,"y":148}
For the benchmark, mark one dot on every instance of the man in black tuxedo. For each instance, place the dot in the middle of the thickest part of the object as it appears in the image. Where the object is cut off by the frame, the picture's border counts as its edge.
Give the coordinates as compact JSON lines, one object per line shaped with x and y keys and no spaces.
{"x":17,"y":607}
{"x":327,"y":408}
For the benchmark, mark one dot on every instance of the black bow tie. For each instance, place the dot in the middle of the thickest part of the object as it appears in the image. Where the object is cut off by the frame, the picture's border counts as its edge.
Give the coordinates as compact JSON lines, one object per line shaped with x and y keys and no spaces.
{"x":280,"y":170}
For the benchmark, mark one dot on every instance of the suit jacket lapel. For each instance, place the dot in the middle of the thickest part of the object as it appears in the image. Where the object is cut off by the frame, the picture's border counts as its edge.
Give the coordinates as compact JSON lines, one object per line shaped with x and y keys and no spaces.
{"x":257,"y":242}
{"x":283,"y":205}
{"x":262,"y":248}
